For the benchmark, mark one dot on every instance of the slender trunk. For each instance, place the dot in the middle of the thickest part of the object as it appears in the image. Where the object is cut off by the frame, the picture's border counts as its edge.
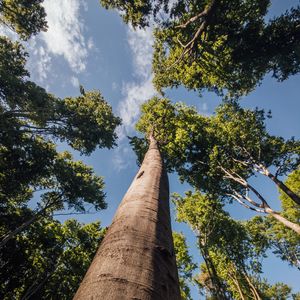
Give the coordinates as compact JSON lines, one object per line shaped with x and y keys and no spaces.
{"x":10,"y":235}
{"x":253,"y":288}
{"x":136,"y":259}
{"x":217,"y":284}
{"x":284,"y":188}
{"x":283,"y":220}
{"x":236,"y":282}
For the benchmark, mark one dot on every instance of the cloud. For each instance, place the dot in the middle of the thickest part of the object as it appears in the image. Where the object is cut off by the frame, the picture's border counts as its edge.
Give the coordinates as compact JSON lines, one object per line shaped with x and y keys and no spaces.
{"x":135,"y":93}
{"x":140,"y":42}
{"x":65,"y":35}
{"x":65,"y":38}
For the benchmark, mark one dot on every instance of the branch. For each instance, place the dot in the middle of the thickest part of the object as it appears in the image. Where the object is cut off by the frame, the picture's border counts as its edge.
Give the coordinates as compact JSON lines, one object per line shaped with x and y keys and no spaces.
{"x":244,"y":204}
{"x":204,"y":13}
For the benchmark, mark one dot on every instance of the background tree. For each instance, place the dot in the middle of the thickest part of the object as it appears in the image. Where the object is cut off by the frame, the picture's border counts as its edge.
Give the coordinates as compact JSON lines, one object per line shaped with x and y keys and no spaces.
{"x":284,"y":242}
{"x":224,"y":46}
{"x":220,"y":153}
{"x":31,"y":119}
{"x":48,"y":259}
{"x":232,"y":253}
{"x":41,"y":258}
{"x":185,"y":265}
{"x":25,"y":17}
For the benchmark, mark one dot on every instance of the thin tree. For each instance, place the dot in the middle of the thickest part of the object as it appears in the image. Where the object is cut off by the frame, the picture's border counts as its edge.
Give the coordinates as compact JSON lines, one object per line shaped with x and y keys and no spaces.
{"x":136,"y":259}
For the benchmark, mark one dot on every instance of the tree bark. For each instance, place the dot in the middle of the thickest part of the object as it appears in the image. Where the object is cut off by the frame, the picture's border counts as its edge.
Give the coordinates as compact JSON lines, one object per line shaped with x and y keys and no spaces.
{"x":283,"y":220}
{"x":136,"y":259}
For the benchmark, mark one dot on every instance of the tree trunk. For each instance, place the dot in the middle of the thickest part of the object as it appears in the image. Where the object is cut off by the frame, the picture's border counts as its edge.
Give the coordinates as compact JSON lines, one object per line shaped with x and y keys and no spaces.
{"x":253,"y":288}
{"x":284,"y":188}
{"x":136,"y":259}
{"x":219,"y":290}
{"x":283,"y":220}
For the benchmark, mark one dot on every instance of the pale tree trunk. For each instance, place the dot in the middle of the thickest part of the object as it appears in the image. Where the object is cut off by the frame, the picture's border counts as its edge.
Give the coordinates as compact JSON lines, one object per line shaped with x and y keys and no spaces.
{"x":136,"y":259}
{"x":283,"y":220}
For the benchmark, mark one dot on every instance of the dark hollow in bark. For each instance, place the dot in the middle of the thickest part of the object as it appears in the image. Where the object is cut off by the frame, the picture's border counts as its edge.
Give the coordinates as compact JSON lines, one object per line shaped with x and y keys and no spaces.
{"x":136,"y":259}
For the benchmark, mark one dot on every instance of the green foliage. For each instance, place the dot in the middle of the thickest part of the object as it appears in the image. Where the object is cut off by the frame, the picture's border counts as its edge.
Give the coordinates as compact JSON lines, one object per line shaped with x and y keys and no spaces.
{"x":284,"y":242}
{"x":25,"y":17}
{"x":219,"y":153}
{"x":31,"y":120}
{"x":84,"y":122}
{"x":185,"y":264}
{"x":222,"y":46}
{"x":136,"y":12}
{"x":178,"y":129}
{"x":232,"y":251}
{"x":48,"y":260}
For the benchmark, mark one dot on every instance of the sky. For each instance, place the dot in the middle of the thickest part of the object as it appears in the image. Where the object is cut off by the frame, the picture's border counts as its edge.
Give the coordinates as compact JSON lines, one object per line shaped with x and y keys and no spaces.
{"x":88,"y":45}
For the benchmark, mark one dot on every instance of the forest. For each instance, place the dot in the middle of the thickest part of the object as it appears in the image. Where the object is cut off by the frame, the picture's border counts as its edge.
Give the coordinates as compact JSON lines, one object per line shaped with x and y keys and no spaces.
{"x":226,"y":179}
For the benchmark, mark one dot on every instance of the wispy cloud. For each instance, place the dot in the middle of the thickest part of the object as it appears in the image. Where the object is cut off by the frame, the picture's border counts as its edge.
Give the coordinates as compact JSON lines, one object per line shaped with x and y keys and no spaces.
{"x":136,"y":92}
{"x":64,"y":38}
{"x":65,"y":35}
{"x":75,"y":81}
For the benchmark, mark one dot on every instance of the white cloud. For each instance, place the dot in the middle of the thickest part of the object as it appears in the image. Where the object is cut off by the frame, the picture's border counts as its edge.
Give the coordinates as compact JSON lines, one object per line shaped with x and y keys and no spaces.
{"x":136,"y":92}
{"x":140,"y":42}
{"x":65,"y":33}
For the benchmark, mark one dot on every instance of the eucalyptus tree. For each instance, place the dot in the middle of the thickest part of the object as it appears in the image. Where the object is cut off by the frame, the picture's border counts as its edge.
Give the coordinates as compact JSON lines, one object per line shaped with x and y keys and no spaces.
{"x":136,"y":259}
{"x":224,"y":46}
{"x":220,"y":153}
{"x":283,"y":242}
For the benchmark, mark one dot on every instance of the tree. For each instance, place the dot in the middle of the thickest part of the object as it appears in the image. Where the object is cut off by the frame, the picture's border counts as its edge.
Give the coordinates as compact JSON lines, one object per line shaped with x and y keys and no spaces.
{"x":232,"y":253}
{"x":31,"y":119}
{"x":284,"y":243}
{"x":25,"y":17}
{"x":185,"y":265}
{"x":136,"y":258}
{"x":48,"y":260}
{"x":224,"y":46}
{"x":219,"y":154}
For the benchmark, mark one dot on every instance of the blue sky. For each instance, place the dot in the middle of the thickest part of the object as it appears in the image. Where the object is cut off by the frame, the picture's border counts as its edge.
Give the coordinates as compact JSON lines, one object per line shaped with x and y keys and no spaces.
{"x":88,"y":45}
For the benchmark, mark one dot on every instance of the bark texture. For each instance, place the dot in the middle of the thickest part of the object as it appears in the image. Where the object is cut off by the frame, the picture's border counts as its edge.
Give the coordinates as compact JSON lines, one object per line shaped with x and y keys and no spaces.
{"x":136,"y":259}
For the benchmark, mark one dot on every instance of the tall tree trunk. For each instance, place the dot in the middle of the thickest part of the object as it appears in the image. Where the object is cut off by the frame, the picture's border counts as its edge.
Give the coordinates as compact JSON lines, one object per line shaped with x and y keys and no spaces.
{"x":136,"y":259}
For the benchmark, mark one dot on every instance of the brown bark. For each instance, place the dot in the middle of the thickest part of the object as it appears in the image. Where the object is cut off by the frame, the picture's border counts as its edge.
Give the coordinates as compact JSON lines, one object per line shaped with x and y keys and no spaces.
{"x":136,"y":259}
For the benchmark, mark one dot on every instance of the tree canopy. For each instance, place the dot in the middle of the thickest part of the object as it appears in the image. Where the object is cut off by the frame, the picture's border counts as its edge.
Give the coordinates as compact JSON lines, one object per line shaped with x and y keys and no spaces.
{"x":48,"y":260}
{"x":232,"y":251}
{"x":25,"y":17}
{"x":223,"y":46}
{"x":218,"y":154}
